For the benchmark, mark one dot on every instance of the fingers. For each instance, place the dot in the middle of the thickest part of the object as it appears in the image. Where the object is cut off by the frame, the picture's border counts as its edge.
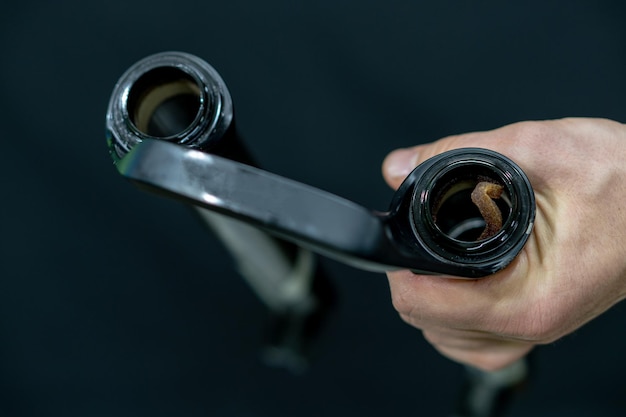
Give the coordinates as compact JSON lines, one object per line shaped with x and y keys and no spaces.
{"x":427,"y":301}
{"x":448,"y":311}
{"x":484,"y":353}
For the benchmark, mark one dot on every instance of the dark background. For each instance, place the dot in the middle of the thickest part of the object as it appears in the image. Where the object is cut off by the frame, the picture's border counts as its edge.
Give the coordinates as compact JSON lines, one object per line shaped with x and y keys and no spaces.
{"x":116,"y":303}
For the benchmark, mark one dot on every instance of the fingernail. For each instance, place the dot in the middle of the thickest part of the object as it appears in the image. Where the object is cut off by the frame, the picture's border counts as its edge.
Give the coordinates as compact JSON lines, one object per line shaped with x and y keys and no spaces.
{"x":401,"y":162}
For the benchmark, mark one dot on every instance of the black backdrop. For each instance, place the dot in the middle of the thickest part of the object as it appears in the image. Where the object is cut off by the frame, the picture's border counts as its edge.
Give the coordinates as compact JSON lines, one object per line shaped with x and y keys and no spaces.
{"x":116,"y":303}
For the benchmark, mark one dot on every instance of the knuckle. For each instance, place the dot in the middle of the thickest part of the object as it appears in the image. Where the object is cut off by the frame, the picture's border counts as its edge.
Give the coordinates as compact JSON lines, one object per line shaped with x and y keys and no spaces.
{"x":531,"y":132}
{"x":402,"y":302}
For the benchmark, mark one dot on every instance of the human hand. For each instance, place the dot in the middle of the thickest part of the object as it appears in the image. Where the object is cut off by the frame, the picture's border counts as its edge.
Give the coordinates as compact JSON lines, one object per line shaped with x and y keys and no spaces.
{"x":573,"y":267}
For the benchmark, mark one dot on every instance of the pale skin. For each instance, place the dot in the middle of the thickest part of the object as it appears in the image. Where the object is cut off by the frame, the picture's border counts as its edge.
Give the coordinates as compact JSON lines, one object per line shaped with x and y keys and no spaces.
{"x":573,"y":267}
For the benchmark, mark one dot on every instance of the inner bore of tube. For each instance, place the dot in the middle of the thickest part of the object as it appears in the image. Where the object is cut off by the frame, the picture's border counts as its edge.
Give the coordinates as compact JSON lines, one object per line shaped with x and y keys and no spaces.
{"x":453,"y":211}
{"x":164,"y":102}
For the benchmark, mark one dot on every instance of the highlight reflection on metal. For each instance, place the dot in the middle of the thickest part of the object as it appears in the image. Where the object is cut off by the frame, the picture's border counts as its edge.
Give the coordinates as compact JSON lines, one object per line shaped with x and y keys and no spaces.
{"x":430,"y":226}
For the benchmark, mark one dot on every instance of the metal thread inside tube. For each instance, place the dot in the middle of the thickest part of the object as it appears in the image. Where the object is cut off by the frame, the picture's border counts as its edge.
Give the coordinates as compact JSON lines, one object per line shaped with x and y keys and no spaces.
{"x":164,"y":102}
{"x":453,"y":210}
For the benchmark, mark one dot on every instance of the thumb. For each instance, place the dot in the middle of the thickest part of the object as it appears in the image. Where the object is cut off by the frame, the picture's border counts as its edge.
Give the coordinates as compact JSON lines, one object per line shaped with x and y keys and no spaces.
{"x":399,"y":163}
